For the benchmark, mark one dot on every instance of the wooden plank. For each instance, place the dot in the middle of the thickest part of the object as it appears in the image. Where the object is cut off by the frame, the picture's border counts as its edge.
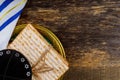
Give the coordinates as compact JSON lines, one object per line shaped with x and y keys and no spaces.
{"x":89,"y":31}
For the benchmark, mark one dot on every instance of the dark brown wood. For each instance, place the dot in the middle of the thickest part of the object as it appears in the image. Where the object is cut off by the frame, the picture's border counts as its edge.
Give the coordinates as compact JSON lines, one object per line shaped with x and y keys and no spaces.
{"x":89,"y":31}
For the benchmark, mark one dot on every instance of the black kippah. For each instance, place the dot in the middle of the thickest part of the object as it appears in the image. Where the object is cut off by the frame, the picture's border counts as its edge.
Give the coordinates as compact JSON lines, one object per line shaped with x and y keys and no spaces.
{"x":14,"y":66}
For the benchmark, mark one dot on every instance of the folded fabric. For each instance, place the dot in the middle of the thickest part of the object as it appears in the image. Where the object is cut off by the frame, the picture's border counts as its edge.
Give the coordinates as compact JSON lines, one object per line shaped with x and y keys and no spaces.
{"x":10,"y":11}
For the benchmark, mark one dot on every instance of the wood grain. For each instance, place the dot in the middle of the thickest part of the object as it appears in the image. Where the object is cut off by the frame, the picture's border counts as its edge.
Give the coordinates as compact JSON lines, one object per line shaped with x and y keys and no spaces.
{"x":89,"y":31}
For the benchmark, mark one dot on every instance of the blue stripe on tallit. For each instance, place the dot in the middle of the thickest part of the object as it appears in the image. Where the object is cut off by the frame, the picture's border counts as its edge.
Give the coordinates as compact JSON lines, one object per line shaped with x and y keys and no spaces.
{"x":10,"y":20}
{"x":5,"y":4}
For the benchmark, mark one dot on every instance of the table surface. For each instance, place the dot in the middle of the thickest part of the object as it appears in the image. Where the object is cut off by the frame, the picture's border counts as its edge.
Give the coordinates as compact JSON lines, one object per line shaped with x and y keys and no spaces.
{"x":89,"y":31}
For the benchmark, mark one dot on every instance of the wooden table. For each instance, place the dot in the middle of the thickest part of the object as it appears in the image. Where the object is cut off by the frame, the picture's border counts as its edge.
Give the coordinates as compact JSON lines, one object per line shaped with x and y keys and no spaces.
{"x":89,"y":31}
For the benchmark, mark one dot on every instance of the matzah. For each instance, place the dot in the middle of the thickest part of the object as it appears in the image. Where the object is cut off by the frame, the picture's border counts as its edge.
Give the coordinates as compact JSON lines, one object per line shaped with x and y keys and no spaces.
{"x":33,"y":45}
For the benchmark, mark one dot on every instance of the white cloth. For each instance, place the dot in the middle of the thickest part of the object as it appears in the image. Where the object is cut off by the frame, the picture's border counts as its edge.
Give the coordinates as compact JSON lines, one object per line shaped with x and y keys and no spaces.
{"x":5,"y":34}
